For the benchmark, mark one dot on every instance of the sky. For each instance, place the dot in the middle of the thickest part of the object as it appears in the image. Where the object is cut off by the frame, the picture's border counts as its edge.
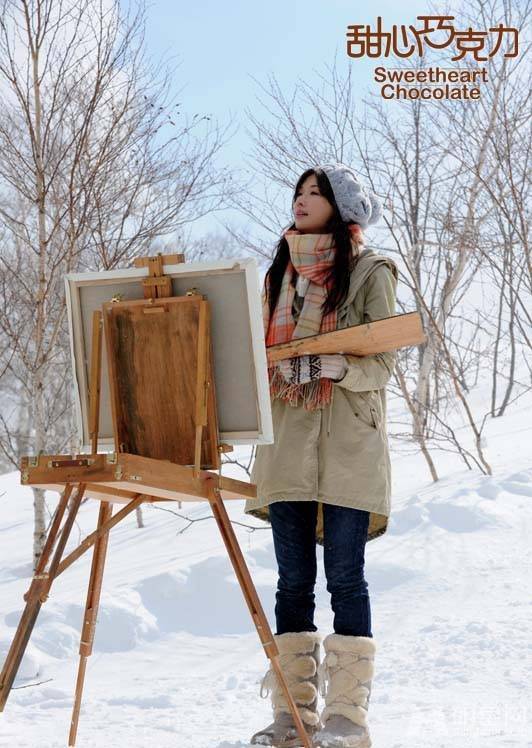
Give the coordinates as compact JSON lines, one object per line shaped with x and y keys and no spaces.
{"x":220,"y":47}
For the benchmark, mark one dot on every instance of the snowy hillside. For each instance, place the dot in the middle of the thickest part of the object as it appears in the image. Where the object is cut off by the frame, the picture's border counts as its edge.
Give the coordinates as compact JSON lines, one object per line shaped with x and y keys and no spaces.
{"x":177,"y":662}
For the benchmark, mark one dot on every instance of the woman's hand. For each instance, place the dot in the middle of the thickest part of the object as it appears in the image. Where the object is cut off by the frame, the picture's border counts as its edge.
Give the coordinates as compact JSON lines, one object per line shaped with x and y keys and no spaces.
{"x":302,"y":369}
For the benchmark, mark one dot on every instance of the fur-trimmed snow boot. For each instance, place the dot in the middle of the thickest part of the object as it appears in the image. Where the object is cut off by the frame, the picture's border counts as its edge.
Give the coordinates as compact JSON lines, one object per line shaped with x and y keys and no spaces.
{"x":345,"y":682}
{"x":299,"y":657}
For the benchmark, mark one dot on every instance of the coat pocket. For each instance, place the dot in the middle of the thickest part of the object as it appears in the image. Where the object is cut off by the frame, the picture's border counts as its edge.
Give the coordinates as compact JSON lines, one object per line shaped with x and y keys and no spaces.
{"x":364,"y":408}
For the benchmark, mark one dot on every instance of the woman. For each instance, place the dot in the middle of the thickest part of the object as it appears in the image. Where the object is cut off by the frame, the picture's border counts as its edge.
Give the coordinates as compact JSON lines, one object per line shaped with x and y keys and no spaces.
{"x":326,"y":478}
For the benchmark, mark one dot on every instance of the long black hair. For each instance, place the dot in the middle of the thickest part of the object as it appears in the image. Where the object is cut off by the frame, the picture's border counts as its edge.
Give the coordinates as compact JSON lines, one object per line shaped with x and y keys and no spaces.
{"x":344,"y":260}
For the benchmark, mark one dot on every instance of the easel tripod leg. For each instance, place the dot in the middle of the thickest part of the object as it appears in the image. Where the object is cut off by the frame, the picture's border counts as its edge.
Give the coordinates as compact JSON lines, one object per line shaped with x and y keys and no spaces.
{"x":253,"y":602}
{"x":91,"y":612}
{"x":39,"y":588}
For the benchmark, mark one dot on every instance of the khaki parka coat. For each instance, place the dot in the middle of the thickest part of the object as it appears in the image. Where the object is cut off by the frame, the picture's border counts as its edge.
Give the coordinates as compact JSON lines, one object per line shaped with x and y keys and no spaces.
{"x":338,"y":454}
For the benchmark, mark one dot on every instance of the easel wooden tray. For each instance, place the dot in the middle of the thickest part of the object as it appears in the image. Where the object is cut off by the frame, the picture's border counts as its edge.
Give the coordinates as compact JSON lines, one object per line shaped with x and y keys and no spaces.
{"x":120,"y":477}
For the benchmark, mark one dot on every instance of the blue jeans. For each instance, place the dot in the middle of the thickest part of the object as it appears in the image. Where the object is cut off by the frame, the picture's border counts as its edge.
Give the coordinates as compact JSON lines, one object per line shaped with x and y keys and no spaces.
{"x":294,"y":538}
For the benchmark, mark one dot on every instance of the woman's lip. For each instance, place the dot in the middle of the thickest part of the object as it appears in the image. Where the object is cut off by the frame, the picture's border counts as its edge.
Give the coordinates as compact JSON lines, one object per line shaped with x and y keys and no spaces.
{"x":301,"y":214}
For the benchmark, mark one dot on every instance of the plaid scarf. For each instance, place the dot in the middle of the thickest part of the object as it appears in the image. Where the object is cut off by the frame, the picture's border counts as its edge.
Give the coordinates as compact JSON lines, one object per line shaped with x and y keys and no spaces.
{"x":312,"y":255}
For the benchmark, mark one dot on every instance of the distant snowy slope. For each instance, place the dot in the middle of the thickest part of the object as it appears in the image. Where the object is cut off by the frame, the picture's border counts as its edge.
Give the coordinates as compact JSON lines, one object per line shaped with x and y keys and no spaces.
{"x":177,"y":662}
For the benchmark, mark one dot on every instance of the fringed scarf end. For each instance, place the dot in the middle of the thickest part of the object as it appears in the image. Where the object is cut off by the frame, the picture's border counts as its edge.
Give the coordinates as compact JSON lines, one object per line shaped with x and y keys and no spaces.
{"x":312,"y":395}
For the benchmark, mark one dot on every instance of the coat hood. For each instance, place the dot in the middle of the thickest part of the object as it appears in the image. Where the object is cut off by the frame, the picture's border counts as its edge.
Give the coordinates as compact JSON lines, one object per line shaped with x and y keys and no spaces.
{"x":367,"y":263}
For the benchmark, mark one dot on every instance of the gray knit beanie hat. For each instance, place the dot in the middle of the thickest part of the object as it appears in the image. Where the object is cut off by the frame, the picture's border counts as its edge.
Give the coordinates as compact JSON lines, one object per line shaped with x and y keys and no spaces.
{"x":356,"y":202}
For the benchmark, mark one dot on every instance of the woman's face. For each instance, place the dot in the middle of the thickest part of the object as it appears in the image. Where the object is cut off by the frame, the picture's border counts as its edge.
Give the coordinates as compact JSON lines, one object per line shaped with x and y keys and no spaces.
{"x":312,"y":211}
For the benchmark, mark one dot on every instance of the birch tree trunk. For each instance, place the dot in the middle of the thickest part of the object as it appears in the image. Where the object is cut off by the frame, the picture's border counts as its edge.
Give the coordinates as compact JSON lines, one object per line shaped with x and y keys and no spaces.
{"x":97,"y":163}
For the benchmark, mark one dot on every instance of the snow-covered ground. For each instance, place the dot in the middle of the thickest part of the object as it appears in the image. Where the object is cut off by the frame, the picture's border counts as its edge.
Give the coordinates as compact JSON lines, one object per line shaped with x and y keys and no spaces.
{"x":177,"y":661}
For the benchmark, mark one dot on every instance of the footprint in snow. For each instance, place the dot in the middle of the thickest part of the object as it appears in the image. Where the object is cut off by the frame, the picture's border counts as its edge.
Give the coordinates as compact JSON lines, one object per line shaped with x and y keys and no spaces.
{"x":488,"y":488}
{"x":522,"y":477}
{"x":162,"y":701}
{"x":512,"y":486}
{"x":457,"y":518}
{"x":406,"y":519}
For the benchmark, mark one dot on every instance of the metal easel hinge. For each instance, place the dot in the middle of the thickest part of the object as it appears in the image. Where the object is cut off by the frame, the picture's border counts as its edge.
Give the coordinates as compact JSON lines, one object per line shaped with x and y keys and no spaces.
{"x":32,"y":462}
{"x":81,"y":462}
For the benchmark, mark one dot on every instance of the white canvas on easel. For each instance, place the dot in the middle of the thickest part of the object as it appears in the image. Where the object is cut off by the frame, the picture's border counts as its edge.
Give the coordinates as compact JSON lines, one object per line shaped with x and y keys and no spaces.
{"x":233,"y":290}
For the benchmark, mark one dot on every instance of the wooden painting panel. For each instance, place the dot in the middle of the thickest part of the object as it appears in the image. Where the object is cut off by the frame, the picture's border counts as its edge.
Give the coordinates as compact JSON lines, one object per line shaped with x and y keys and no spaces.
{"x":152,"y":350}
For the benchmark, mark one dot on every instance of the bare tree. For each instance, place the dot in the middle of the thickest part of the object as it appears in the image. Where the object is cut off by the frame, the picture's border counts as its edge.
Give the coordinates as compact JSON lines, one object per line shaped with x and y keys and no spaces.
{"x":489,"y":152}
{"x":430,"y":162}
{"x":96,"y":162}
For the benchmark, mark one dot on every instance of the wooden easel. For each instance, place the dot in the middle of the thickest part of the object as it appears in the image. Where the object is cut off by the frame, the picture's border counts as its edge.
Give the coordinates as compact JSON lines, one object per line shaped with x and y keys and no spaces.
{"x":132,"y":479}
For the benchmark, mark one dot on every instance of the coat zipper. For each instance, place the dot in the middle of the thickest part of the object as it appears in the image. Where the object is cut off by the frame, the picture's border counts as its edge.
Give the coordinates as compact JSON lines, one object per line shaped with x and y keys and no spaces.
{"x":330,"y":411}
